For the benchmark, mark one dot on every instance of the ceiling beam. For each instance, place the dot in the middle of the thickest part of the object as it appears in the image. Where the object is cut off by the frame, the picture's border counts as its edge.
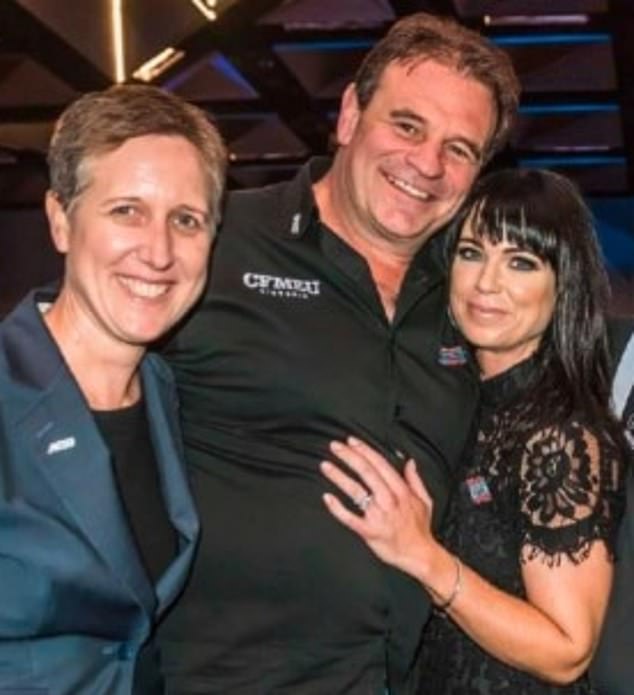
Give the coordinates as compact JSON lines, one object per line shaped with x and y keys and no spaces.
{"x":238,"y":37}
{"x":26,"y":34}
{"x":440,"y":7}
{"x":622,"y":17}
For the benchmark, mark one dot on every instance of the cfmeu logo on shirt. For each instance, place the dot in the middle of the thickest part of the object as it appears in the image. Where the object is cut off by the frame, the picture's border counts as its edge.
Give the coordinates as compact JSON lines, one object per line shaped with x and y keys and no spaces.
{"x":276,"y":286}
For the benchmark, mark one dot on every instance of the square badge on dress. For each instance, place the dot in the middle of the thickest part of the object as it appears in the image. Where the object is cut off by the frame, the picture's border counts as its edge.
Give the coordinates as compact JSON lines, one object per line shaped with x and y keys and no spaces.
{"x":455,"y":356}
{"x":478,"y":490}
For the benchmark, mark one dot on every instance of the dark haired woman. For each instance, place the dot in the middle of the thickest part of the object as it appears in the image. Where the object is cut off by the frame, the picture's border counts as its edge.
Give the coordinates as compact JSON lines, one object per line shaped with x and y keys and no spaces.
{"x":522,"y":570}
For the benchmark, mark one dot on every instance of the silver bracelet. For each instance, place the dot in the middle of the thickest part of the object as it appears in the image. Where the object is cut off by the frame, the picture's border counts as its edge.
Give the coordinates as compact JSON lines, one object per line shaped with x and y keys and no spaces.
{"x":446,"y":604}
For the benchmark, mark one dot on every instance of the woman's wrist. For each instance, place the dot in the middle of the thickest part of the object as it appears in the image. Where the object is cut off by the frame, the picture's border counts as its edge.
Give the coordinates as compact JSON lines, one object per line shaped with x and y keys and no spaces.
{"x":445,"y":605}
{"x":442,"y":577}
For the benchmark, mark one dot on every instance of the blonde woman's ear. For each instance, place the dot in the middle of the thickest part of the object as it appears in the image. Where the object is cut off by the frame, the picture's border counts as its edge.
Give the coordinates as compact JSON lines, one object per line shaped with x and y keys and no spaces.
{"x":58,"y":222}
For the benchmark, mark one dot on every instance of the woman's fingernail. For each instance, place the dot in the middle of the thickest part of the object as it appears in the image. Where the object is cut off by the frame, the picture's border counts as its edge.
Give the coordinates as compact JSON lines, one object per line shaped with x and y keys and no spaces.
{"x":353,"y":441}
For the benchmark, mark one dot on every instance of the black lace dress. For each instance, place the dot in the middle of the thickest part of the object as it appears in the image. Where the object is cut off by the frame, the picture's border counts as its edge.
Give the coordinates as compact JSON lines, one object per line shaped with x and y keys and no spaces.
{"x":549,"y":496}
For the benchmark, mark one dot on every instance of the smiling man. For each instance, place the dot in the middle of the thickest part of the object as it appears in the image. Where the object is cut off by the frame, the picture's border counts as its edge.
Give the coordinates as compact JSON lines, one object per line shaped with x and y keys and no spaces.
{"x":325,"y":316}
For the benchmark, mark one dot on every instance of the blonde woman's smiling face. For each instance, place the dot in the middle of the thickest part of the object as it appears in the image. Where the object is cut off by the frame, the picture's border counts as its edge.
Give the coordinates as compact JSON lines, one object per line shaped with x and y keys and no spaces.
{"x":136,"y":240}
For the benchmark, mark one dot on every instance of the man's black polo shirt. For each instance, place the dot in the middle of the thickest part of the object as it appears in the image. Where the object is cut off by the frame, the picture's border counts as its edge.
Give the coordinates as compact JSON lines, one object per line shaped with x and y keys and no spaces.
{"x":289,"y":349}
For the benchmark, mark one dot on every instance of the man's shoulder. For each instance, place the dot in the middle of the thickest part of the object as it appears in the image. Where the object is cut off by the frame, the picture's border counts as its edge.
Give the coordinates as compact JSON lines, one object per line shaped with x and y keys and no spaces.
{"x":238,"y":199}
{"x":284,"y":206}
{"x":255,"y":212}
{"x":254,"y":204}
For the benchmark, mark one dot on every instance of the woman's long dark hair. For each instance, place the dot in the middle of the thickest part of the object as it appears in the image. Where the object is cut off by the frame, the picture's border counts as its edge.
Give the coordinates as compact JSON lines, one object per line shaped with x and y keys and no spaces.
{"x":542,"y":212}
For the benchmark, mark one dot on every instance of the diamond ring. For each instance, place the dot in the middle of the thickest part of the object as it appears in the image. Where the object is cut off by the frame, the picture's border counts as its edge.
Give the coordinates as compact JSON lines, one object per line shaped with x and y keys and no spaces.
{"x":363,"y":501}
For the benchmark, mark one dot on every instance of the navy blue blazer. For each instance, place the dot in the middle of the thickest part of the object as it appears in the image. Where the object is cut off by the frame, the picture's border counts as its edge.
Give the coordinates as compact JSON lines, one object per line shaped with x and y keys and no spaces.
{"x":77,"y":609}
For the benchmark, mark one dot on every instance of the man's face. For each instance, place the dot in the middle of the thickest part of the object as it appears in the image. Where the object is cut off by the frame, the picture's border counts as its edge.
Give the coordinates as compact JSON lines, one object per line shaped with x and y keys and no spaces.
{"x":410,"y":157}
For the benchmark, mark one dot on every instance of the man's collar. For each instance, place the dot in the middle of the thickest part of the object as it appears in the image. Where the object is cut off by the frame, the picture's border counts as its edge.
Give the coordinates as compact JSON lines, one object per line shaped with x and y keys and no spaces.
{"x":298,"y":208}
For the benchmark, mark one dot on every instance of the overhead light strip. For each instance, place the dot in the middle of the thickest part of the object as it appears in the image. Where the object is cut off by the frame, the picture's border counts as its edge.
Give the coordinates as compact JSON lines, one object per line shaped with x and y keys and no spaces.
{"x":207,"y":8}
{"x":118,"y":41}
{"x":536,"y":20}
{"x":157,"y":65}
{"x":323,"y":46}
{"x":549,"y":39}
{"x":572,"y":161}
{"x":546,"y":109}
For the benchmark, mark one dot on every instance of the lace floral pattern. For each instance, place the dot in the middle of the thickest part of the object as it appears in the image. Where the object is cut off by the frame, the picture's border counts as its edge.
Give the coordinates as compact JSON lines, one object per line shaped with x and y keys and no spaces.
{"x":568,"y":483}
{"x":558,"y":476}
{"x":546,"y":495}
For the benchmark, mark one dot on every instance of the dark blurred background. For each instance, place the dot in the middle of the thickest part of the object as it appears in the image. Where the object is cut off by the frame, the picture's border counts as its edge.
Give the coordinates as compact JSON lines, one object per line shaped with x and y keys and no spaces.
{"x":271,"y":72}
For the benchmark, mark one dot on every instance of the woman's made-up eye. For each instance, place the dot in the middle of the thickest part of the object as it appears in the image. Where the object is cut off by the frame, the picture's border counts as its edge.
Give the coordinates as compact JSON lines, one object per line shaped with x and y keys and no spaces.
{"x":468,"y":252}
{"x":525,"y":262}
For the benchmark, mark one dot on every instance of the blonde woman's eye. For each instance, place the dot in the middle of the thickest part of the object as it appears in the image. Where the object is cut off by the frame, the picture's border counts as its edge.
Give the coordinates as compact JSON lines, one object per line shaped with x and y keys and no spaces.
{"x":188,"y":221}
{"x":125,"y":214}
{"x":123,"y":210}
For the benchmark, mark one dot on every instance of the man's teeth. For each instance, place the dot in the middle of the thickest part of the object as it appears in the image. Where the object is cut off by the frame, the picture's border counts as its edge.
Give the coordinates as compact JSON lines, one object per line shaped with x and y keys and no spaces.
{"x":408,"y":188}
{"x":145,"y":289}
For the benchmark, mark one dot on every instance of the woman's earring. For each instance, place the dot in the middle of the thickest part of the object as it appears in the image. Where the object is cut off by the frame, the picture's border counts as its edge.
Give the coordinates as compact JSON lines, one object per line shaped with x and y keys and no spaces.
{"x":450,"y":315}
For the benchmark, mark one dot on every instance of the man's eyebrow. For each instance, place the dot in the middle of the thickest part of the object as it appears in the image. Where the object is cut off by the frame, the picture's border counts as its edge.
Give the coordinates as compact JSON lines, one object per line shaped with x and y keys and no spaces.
{"x":407,"y":113}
